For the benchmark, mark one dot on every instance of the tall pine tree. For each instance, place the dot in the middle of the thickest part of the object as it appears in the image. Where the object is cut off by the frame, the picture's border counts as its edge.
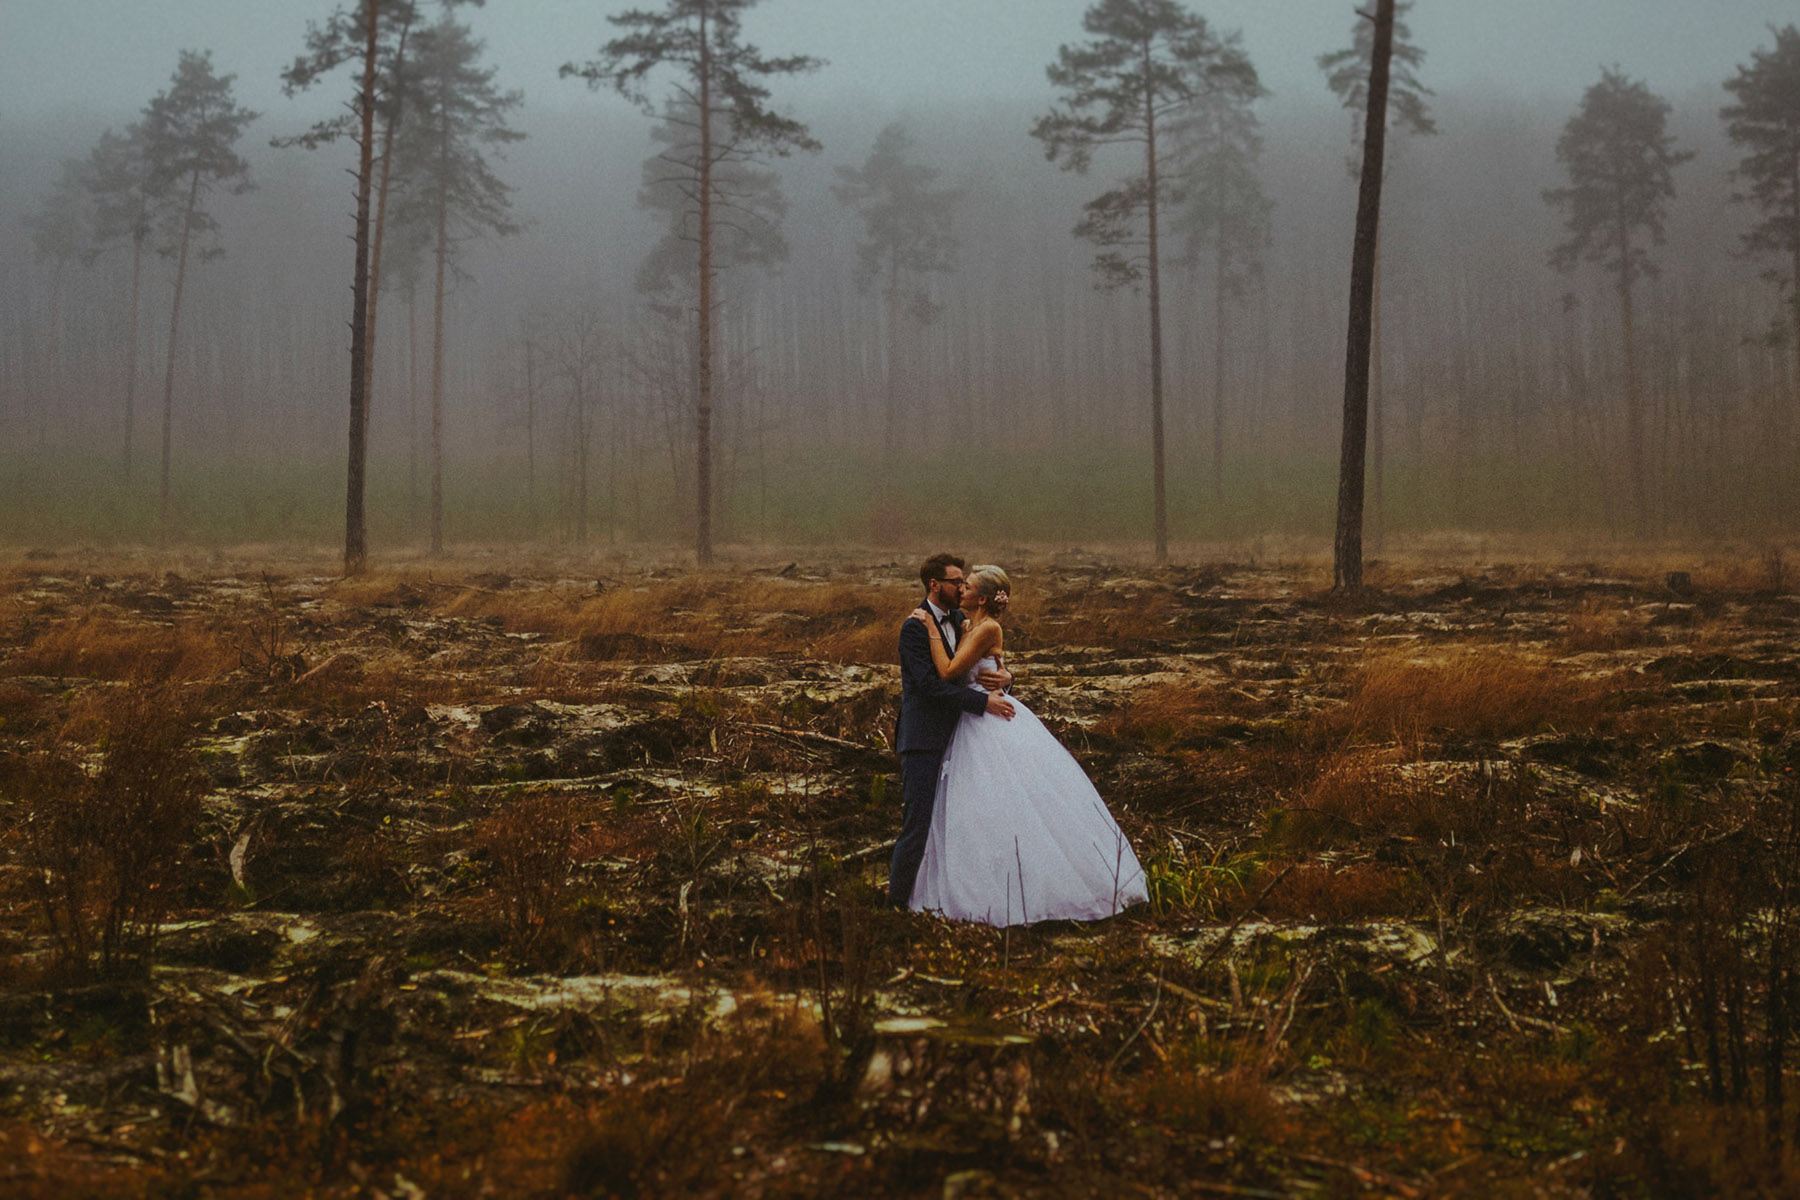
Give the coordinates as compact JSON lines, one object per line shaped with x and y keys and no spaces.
{"x":720,"y":78}
{"x":1765,"y":124}
{"x":449,"y":186}
{"x":1347,"y":73}
{"x":190,"y":135}
{"x":125,"y":201}
{"x":1146,"y":61}
{"x":1621,"y":163}
{"x":1223,"y":219}
{"x":907,"y":239}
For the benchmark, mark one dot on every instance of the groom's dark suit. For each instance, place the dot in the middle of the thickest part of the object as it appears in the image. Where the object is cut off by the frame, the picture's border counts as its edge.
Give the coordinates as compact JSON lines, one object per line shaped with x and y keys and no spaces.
{"x":929,"y":709}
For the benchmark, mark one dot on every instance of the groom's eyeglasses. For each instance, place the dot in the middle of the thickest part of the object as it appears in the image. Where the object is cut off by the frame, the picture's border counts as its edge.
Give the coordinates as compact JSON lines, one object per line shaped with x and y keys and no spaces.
{"x":956,"y":583}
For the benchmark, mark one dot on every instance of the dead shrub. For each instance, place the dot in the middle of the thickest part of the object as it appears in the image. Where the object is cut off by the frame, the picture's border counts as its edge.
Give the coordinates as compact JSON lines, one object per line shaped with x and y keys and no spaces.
{"x":102,"y":648}
{"x":1730,"y":964}
{"x":105,"y":842}
{"x":1476,"y":693}
{"x":677,"y":1139}
{"x":1677,"y":1151}
{"x":531,"y":844}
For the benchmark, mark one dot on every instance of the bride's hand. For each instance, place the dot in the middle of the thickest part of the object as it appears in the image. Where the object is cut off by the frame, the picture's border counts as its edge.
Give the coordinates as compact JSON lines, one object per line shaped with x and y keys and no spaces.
{"x":924,"y":615}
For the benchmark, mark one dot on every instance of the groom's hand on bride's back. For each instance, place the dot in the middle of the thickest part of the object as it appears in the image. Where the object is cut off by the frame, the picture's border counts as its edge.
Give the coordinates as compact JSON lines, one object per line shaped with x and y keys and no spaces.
{"x":999,"y":706}
{"x":995,"y":681}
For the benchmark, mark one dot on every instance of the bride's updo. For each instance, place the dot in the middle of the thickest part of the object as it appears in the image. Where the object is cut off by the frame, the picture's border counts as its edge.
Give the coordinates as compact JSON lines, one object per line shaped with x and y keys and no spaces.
{"x":992,"y":585}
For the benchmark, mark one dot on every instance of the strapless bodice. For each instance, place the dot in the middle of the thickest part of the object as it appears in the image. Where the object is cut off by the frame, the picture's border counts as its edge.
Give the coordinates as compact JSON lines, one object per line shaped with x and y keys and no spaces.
{"x":986,"y":662}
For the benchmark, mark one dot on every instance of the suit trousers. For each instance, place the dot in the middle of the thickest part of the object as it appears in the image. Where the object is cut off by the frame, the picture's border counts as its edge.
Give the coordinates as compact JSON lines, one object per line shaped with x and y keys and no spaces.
{"x":918,"y":793}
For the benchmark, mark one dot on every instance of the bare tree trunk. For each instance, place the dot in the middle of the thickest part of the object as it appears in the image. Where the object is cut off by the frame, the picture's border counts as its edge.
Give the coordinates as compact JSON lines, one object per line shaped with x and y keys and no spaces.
{"x":1634,"y":409}
{"x":131,"y":351}
{"x":356,"y":552}
{"x":168,"y":412}
{"x":1218,"y":413}
{"x":1794,"y":195}
{"x":1348,"y":565}
{"x":891,"y":414}
{"x":581,"y":455}
{"x":53,"y":358}
{"x":1377,"y":442}
{"x":530,"y":447}
{"x":1158,"y":480}
{"x":387,"y":167}
{"x":703,"y":548}
{"x":412,"y":411}
{"x":437,"y":378}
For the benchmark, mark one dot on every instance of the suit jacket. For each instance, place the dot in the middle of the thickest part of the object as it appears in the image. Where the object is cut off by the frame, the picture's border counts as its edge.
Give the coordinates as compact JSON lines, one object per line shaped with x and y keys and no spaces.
{"x":929,"y":705}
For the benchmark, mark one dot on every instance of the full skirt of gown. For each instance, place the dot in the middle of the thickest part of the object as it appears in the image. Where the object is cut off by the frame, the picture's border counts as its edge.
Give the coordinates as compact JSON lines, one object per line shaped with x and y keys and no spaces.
{"x":1019,"y":833}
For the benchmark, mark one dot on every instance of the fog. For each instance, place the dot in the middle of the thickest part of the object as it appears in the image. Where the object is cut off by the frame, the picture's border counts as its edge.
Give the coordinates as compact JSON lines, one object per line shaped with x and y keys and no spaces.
{"x":1026,"y":401}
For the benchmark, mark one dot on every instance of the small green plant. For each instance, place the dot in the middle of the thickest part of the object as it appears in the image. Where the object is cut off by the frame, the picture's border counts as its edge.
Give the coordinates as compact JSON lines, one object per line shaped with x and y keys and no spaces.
{"x":1184,"y":881}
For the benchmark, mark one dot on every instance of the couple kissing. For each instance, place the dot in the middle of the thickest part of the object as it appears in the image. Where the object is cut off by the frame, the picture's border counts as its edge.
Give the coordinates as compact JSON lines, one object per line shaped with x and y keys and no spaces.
{"x":1000,"y":825}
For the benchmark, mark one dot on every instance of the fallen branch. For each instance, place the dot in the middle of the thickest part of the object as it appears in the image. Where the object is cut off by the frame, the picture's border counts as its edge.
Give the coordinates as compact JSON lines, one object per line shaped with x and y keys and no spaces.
{"x":1366,"y":1175}
{"x":1518,"y":1019}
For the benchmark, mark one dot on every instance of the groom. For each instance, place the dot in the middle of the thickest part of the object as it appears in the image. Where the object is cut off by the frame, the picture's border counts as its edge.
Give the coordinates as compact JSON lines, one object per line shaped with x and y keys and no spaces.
{"x":929,"y":709}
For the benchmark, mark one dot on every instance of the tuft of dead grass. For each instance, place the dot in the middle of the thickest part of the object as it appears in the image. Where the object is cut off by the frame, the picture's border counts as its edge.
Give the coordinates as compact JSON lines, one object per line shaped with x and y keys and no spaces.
{"x":1482,"y":692}
{"x":1364,"y":795}
{"x":698,"y":616}
{"x":1349,"y":892}
{"x":1168,"y":713}
{"x":1599,"y":625}
{"x":95,"y":647}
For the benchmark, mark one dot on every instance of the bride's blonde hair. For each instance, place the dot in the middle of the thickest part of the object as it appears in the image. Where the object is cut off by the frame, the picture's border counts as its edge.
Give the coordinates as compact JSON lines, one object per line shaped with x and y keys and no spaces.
{"x":988,"y":582}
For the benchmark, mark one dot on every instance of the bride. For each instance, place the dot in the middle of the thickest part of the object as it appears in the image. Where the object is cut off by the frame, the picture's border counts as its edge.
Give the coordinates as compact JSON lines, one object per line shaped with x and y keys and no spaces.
{"x":1018,"y":833}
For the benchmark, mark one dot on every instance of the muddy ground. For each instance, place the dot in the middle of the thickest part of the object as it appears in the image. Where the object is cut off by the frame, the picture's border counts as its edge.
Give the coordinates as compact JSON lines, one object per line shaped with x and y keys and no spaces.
{"x":564,"y":877}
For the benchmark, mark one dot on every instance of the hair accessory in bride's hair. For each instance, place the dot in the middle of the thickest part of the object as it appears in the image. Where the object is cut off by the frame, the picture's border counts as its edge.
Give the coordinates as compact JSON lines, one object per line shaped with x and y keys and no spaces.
{"x":1002,"y":597}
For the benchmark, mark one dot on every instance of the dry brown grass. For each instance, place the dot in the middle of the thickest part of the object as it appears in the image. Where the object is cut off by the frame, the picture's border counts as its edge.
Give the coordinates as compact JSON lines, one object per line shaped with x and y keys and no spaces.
{"x":347,"y":682}
{"x":1234,"y":1104}
{"x":96,"y":647}
{"x":1602,"y":625}
{"x":1367,"y":795}
{"x":1352,"y":892}
{"x":1479,"y":692}
{"x":1125,"y":617}
{"x":704,"y":615}
{"x":1168,"y":713}
{"x":386,"y":589}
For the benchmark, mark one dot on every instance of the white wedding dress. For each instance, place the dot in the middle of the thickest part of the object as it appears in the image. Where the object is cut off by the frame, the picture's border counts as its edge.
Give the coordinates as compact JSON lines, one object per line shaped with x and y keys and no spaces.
{"x":1018,"y":833}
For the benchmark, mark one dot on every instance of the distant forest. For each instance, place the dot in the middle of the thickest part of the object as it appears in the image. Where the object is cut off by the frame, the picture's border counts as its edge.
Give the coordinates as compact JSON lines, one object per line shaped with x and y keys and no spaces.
{"x":1001,"y":385}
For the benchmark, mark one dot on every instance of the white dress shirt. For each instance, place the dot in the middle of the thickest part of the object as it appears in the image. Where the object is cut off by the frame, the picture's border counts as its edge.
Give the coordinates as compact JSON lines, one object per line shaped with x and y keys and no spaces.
{"x":945,"y":624}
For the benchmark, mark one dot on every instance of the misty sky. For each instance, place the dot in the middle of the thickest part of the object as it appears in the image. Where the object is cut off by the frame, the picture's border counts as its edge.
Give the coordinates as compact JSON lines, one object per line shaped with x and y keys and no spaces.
{"x":73,"y":58}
